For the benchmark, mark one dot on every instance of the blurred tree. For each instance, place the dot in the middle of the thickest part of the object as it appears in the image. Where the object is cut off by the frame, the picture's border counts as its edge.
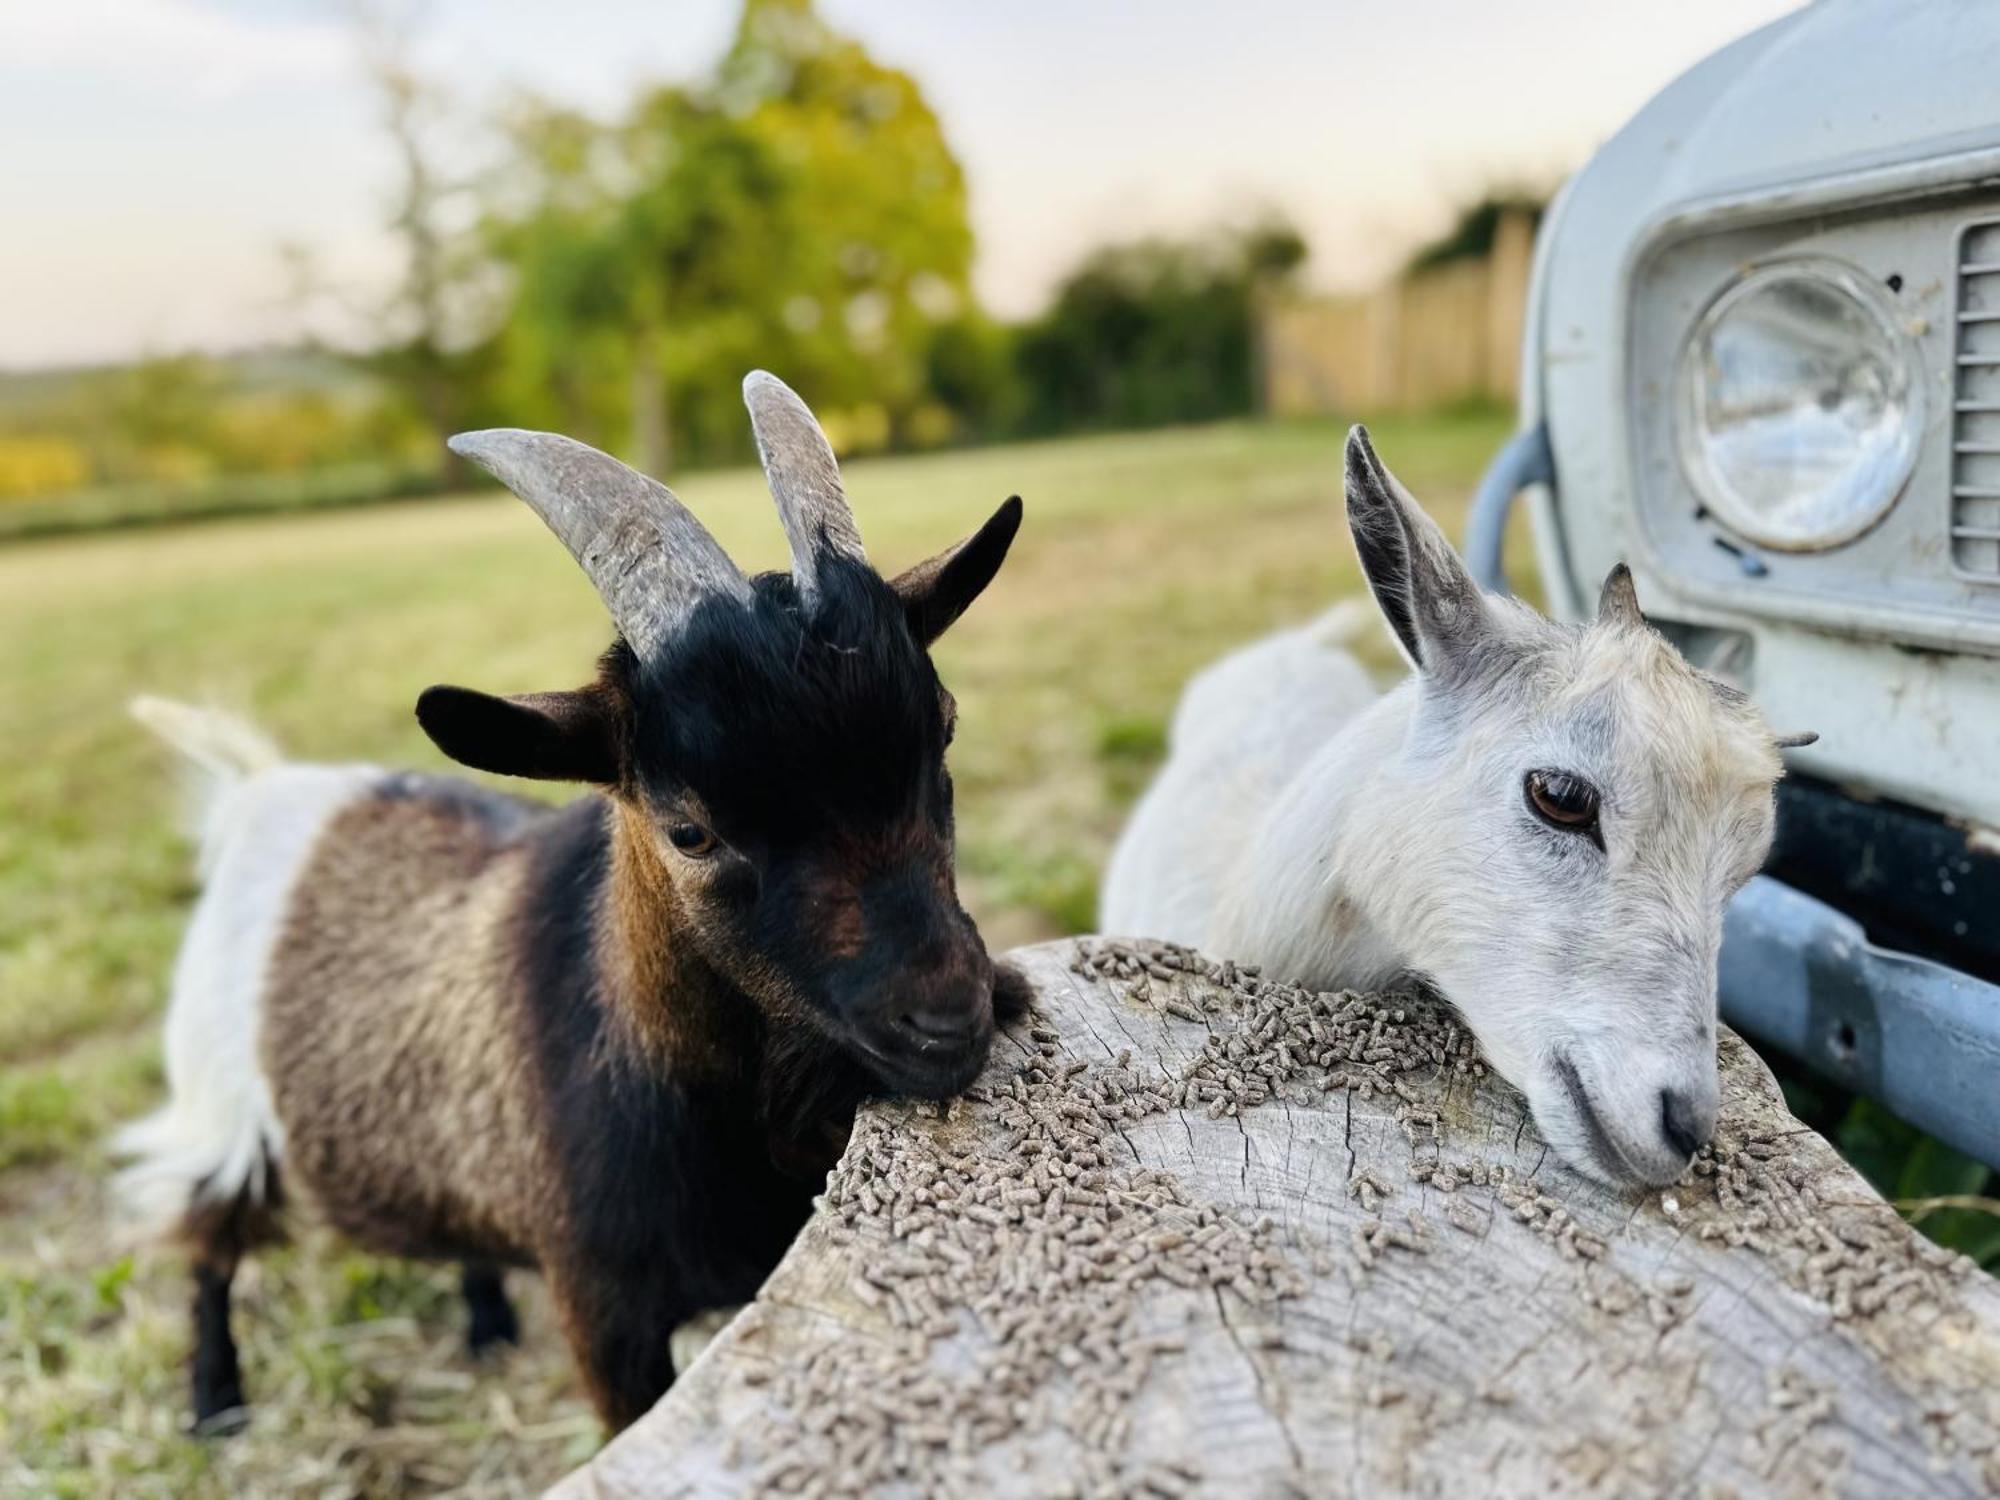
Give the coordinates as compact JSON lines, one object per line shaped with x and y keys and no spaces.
{"x":558,"y":358}
{"x":1472,"y":230}
{"x":422,"y":329}
{"x":800,"y":209}
{"x":969,"y":371}
{"x":183,"y":421}
{"x":160,"y":404}
{"x":36,"y":466}
{"x":887,"y":260}
{"x":1155,"y":332}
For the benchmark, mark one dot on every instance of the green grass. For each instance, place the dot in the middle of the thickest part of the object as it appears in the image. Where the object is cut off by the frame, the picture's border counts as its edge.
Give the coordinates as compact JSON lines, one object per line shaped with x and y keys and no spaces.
{"x":1142,"y":558}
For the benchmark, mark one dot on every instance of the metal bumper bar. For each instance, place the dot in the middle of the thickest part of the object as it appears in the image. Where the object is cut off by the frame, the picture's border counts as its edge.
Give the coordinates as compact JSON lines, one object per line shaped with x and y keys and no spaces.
{"x":1917,"y":1036}
{"x":1525,"y":460}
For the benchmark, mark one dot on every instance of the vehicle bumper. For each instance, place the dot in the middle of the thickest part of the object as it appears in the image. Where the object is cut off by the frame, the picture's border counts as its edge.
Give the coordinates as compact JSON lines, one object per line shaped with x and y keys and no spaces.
{"x":1919,"y":1037}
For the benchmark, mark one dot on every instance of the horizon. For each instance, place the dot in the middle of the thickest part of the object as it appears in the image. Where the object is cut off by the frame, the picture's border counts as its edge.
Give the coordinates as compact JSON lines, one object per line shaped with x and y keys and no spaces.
{"x":217,"y":131}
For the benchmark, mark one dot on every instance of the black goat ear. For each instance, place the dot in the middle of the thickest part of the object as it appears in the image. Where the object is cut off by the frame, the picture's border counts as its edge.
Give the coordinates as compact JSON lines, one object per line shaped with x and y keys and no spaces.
{"x":936,"y":592}
{"x":1013,"y":993}
{"x":573,"y":736}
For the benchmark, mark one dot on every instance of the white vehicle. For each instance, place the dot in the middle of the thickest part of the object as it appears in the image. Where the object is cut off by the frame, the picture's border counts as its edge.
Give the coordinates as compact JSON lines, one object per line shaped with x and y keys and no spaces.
{"x":1762,"y":365}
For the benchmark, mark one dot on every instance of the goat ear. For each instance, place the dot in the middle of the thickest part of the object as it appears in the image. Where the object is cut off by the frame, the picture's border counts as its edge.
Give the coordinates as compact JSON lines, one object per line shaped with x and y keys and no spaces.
{"x":1429,"y":599}
{"x":548,"y":736}
{"x":936,"y":592}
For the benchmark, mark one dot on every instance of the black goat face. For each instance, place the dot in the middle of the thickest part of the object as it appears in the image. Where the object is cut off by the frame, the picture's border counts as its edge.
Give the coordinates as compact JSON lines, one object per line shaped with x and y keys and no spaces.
{"x":788,"y":759}
{"x":791,"y":760}
{"x":781,"y":740}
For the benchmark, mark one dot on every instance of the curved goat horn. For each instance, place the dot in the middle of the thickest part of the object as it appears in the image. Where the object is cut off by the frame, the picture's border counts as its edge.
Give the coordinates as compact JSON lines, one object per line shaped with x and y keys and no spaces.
{"x":647,"y":556}
{"x":804,"y":479}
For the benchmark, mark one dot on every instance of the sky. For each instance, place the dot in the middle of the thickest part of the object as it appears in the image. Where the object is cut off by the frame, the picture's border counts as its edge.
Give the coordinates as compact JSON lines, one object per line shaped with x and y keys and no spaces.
{"x":155,"y":154}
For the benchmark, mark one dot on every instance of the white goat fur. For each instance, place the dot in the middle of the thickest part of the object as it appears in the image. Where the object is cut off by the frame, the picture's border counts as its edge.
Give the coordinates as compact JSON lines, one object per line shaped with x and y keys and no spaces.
{"x":257,"y":819}
{"x":1343,"y":838}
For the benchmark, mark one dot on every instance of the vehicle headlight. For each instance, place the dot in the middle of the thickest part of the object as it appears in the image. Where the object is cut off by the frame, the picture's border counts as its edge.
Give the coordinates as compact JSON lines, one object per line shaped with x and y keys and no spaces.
{"x":1800,"y":406}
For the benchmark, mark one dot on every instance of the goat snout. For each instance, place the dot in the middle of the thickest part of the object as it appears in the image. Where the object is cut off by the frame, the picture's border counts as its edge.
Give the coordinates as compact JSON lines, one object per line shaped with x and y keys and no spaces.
{"x":950,"y":1022}
{"x":928,"y":1033}
{"x":946,"y":1006}
{"x":1687,"y":1122}
{"x":1621,"y":1127}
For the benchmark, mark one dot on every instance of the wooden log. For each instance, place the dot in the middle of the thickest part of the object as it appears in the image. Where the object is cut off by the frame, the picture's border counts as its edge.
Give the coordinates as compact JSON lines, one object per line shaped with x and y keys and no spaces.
{"x":1195,"y":1233}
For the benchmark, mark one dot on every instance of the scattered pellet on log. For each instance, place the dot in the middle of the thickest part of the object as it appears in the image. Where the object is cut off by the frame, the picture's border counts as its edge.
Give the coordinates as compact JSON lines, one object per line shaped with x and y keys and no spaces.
{"x":1084,"y":1285}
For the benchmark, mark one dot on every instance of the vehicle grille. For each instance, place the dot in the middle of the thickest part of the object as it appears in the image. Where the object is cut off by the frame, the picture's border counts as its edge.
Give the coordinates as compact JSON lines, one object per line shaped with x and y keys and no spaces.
{"x":1975,"y":415}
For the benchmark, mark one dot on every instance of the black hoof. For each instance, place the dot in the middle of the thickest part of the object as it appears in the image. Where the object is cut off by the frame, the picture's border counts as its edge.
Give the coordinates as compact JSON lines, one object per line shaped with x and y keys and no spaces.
{"x":491,"y":1333}
{"x":493,"y":1323}
{"x":220,"y":1413}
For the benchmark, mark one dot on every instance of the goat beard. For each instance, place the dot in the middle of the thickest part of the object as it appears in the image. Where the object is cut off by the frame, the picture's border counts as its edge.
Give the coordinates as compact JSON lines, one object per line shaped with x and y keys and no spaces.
{"x":810,"y":1087}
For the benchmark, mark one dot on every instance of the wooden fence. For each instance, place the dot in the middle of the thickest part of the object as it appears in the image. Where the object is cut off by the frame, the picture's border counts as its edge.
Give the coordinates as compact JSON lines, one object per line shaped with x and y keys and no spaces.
{"x":1441,"y":336}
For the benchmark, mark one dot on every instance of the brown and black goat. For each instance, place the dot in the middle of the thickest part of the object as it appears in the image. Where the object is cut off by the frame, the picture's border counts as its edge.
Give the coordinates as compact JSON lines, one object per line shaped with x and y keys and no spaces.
{"x":623,"y":1040}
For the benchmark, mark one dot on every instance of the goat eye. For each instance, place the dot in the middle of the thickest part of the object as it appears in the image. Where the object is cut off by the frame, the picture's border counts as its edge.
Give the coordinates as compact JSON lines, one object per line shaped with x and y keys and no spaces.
{"x":1564,"y":801}
{"x":693,"y":840}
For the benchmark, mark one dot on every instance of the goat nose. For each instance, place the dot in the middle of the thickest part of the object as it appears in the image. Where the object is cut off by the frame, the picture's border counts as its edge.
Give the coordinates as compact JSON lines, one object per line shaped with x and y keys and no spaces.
{"x":934,"y":1024}
{"x":949,"y":1015}
{"x":1685,"y":1124}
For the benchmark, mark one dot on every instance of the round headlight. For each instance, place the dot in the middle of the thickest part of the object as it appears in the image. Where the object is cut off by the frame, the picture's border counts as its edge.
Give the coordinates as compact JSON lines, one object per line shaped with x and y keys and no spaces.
{"x":1800,"y":406}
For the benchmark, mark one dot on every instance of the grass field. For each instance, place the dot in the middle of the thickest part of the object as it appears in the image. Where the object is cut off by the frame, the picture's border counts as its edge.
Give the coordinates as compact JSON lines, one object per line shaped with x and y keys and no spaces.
{"x":1142,"y":557}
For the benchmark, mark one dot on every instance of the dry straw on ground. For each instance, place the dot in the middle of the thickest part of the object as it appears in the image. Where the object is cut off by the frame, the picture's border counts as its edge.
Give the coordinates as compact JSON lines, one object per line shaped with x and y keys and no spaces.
{"x":356,"y":1370}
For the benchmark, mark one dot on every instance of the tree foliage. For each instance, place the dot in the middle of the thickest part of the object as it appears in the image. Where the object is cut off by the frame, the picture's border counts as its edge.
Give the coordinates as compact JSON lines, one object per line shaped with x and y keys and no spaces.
{"x":1154,"y":332}
{"x":190,"y":420}
{"x":1475,"y":227}
{"x":799,"y":208}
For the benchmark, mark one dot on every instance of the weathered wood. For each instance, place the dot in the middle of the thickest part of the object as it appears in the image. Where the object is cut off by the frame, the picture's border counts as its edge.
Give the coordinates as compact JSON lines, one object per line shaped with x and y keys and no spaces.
{"x":1302,"y":1245}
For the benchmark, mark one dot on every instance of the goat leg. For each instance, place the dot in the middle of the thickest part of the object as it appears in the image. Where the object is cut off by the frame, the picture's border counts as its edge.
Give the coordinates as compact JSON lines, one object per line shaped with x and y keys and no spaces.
{"x":620,"y":1330}
{"x":218,"y":1380}
{"x":492,"y":1321}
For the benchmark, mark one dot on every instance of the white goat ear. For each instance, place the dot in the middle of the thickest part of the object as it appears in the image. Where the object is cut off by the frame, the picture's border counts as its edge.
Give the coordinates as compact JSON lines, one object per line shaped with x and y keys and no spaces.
{"x":1423,"y":589}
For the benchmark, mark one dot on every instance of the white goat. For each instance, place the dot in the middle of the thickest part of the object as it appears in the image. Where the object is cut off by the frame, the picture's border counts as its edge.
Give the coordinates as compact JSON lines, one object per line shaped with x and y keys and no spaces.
{"x":1544,"y":822}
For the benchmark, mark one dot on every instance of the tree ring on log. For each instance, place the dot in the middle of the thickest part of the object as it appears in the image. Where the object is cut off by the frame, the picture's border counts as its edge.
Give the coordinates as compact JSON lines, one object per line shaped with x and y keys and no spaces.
{"x":1198,"y":1233}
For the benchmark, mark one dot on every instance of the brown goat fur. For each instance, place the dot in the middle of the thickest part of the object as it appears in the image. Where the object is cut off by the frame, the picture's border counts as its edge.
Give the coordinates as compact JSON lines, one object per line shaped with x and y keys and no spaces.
{"x":622,"y":1040}
{"x":417,"y":1080}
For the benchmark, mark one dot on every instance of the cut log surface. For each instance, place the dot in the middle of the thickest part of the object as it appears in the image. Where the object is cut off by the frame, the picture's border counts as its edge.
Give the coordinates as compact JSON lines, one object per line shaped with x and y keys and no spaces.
{"x":1197,"y":1233}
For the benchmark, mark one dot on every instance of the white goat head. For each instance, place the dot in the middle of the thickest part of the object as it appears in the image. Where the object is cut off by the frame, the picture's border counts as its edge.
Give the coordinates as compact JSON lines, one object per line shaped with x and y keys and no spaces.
{"x":1567,"y":813}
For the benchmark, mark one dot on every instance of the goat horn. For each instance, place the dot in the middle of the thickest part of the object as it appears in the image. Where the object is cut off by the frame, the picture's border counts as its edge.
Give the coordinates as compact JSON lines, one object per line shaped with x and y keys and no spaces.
{"x":647,"y":556}
{"x":1618,"y":602}
{"x":1729,"y":661}
{"x":804,"y":479}
{"x":1799,"y":740}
